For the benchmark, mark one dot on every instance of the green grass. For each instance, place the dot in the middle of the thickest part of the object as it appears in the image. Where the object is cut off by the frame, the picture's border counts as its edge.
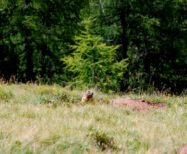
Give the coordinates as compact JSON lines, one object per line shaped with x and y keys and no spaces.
{"x":51,"y":119}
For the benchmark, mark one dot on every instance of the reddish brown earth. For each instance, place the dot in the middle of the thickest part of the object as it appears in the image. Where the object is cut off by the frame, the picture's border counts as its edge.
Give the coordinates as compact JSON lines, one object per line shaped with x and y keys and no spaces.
{"x":140,"y":105}
{"x":183,"y":150}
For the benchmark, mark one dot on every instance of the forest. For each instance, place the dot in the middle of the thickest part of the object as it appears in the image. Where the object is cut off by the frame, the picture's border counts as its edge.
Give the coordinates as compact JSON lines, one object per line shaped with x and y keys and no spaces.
{"x":121,"y":45}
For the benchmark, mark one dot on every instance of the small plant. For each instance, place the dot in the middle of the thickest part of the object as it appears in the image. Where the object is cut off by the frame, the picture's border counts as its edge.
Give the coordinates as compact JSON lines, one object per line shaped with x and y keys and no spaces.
{"x":52,"y":138}
{"x":5,"y":94}
{"x":1,"y":135}
{"x":64,"y":97}
{"x":28,"y":114}
{"x":133,"y":141}
{"x":69,"y":97}
{"x":16,"y":147}
{"x":74,"y":147}
{"x":102,"y":140}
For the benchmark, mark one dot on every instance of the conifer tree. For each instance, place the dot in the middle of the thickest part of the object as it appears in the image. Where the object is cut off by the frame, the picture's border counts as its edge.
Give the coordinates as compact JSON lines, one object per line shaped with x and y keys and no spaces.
{"x":93,"y":62}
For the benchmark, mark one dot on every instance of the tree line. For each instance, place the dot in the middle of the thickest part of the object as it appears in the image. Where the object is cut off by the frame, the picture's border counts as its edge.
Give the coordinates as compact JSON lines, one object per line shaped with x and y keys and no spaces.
{"x":112,"y":45}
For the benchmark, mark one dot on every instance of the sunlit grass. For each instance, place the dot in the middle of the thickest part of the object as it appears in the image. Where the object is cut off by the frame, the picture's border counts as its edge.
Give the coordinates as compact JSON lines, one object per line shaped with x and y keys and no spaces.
{"x":51,"y":119}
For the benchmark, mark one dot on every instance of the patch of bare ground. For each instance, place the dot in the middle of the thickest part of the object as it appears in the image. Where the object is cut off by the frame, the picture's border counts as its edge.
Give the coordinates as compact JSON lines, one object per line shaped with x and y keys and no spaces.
{"x":183,"y":150}
{"x":139,"y":105}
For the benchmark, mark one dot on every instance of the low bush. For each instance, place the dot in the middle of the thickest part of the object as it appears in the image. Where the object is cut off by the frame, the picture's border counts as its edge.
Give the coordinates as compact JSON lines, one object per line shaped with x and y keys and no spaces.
{"x":103,"y":140}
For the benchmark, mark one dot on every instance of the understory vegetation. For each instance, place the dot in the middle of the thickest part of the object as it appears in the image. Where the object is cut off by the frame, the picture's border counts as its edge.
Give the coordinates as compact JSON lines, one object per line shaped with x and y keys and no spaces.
{"x":51,"y":119}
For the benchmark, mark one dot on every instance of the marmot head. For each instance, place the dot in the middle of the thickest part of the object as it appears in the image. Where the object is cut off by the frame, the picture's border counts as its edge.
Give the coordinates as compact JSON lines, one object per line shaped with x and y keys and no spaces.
{"x":89,"y":94}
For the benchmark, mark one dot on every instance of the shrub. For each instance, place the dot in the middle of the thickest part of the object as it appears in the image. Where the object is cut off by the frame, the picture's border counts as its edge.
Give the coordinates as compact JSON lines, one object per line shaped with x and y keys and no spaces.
{"x":102,"y":139}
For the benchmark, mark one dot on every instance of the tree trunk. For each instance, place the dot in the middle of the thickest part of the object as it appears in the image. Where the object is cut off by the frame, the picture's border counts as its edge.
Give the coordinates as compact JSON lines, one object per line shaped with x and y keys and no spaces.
{"x":124,"y":38}
{"x":29,"y":62}
{"x":29,"y":52}
{"x":124,"y":42}
{"x":44,"y":51}
{"x":27,"y":2}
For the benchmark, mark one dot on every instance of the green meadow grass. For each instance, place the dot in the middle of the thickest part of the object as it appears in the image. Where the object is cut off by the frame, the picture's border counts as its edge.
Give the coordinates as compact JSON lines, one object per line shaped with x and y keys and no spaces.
{"x":50,"y":119}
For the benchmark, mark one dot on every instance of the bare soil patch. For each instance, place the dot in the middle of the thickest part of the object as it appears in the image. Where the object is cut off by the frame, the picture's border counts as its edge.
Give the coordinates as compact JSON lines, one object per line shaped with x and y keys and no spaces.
{"x":183,"y":150}
{"x":140,"y":105}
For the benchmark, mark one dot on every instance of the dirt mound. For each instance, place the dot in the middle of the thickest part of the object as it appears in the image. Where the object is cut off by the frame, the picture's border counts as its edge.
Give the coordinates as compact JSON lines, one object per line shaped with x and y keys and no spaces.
{"x":140,"y":105}
{"x":183,"y":150}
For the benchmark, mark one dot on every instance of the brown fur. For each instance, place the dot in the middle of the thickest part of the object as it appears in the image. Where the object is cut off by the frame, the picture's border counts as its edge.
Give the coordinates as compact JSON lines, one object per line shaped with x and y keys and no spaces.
{"x":87,"y":97}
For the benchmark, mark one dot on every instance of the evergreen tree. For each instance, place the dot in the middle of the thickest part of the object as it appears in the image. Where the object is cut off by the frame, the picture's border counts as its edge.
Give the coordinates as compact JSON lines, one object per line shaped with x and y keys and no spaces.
{"x":93,"y":63}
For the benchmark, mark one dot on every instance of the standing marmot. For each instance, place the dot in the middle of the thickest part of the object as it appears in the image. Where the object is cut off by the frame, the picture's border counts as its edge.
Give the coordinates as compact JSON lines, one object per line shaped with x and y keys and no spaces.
{"x":88,"y":96}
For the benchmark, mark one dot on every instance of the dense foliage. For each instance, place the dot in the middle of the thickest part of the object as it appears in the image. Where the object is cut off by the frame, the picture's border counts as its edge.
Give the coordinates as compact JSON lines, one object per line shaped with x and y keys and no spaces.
{"x":35,"y":35}
{"x":95,"y":63}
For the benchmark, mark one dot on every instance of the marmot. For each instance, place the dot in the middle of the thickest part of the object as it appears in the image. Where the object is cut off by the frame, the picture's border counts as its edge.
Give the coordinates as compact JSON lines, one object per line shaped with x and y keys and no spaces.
{"x":88,"y":96}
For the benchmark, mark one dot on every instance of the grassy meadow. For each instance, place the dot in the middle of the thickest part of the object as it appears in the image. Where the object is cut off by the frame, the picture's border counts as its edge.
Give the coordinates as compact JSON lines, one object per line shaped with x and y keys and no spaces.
{"x":51,"y":119}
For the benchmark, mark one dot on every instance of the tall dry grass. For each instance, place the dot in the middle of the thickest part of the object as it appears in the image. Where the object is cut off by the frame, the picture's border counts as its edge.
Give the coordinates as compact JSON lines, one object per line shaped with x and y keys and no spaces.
{"x":51,"y":119}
